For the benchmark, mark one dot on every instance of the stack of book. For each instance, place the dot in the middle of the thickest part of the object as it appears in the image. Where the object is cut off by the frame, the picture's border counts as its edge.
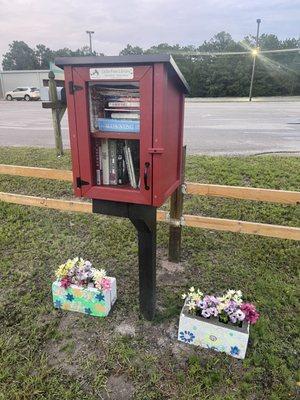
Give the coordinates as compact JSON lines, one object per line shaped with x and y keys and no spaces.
{"x":117,"y":162}
{"x":114,"y":109}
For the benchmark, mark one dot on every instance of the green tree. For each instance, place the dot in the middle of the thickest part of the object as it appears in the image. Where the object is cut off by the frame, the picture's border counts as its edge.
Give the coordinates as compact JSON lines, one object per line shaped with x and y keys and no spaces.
{"x":43,"y":56}
{"x":128,"y":50}
{"x":20,"y":56}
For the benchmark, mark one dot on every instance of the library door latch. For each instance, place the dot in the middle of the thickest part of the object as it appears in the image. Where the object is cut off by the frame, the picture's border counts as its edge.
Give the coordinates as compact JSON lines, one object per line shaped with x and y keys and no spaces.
{"x":73,"y":88}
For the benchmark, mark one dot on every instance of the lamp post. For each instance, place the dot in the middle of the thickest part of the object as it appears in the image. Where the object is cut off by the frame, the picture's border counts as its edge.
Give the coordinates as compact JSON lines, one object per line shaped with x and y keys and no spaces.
{"x":90,"y":33}
{"x":254,"y":54}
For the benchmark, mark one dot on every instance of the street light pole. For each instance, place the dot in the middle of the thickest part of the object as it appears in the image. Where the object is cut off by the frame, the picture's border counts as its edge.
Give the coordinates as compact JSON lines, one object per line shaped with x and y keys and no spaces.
{"x":254,"y":53}
{"x":90,"y":36}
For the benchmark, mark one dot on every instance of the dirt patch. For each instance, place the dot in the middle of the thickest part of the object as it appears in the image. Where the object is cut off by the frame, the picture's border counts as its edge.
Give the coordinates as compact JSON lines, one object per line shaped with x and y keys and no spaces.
{"x":170,"y":274}
{"x":118,"y":388}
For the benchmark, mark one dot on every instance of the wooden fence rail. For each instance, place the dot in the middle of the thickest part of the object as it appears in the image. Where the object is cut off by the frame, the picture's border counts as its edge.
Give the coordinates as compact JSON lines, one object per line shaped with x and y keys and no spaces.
{"x":200,"y":189}
{"x":278,"y":196}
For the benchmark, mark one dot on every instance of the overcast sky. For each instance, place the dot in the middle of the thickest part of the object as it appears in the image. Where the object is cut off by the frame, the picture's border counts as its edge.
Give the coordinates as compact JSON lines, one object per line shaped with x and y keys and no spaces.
{"x":63,"y":23}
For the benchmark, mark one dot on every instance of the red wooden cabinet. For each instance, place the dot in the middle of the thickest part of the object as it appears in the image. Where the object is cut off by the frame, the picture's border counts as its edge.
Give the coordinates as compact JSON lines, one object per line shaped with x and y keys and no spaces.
{"x":126,"y":126}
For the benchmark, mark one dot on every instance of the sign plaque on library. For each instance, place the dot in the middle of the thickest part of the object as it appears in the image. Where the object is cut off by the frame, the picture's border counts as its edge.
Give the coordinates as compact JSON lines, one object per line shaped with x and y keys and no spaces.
{"x":126,"y":132}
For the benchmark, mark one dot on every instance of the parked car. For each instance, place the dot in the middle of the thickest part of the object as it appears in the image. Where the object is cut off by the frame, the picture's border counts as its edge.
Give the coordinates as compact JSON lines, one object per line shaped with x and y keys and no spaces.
{"x":23,"y":93}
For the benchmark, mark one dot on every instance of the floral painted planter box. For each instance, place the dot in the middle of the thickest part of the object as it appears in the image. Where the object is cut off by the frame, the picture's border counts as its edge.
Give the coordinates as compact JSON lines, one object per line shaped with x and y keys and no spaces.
{"x":212,"y":334}
{"x":87,"y":300}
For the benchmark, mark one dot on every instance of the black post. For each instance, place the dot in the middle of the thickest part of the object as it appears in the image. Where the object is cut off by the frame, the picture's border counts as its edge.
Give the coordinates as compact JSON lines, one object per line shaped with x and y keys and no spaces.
{"x":144,"y":219}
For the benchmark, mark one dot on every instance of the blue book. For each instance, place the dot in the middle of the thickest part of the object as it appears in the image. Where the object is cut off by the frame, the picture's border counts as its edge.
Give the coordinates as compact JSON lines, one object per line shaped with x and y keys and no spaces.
{"x":118,"y":125}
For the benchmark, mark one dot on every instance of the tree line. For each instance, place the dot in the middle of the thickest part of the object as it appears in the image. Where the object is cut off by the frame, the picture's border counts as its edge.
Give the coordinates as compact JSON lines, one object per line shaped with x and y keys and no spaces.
{"x":209,"y":75}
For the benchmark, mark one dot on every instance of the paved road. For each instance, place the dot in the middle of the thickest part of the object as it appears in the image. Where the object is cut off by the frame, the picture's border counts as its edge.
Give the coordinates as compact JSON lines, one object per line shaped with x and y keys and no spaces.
{"x":210,"y":128}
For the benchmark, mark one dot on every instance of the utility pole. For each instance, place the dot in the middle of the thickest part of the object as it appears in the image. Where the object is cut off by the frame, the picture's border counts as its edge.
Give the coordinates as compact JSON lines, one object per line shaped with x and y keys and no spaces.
{"x":90,"y":33}
{"x":254,"y":54}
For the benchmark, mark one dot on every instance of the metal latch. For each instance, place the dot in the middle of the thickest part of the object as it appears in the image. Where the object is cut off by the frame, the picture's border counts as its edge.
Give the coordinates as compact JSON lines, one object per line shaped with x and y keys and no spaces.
{"x":73,"y":88}
{"x":80,"y":182}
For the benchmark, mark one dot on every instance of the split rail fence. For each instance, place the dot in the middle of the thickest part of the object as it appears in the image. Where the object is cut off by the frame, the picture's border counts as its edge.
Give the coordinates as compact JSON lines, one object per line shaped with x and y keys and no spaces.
{"x":219,"y":224}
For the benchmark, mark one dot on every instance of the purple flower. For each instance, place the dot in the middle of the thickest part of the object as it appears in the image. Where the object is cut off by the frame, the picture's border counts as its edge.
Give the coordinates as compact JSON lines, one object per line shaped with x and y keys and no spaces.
{"x":201,"y":304}
{"x":233,"y":318}
{"x":205,"y":313}
{"x":240,"y":315}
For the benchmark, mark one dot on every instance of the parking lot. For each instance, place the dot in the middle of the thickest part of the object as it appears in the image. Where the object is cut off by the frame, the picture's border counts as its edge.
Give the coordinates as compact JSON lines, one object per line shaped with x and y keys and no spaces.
{"x":211,"y":128}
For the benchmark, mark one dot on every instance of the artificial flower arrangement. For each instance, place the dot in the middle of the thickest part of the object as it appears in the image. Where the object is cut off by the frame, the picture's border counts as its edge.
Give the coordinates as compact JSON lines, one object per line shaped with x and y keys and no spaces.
{"x":229,"y":307}
{"x":83,"y":288}
{"x":217,"y":322}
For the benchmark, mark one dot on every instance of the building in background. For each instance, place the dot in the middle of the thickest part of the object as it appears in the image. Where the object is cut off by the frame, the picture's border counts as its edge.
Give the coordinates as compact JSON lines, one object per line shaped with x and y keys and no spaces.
{"x":9,"y":80}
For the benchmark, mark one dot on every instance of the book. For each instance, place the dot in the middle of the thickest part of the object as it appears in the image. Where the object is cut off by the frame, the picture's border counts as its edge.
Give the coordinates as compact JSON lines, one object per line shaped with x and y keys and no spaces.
{"x":118,"y":125}
{"x":129,"y":165}
{"x":112,"y":154}
{"x":122,"y":175}
{"x":105,"y":161}
{"x":122,"y":104}
{"x":124,"y":115}
{"x":97,"y":162}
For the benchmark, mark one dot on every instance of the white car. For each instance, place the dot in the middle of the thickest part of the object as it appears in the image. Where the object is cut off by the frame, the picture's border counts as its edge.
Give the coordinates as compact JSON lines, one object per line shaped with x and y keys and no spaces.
{"x":23,"y":93}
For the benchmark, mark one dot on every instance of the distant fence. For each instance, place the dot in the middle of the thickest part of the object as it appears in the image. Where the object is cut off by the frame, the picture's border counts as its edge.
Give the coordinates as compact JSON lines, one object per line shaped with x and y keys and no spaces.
{"x":219,"y":224}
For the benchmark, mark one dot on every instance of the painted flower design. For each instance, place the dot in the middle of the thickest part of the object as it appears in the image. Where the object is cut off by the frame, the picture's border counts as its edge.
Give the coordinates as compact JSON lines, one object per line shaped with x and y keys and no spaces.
{"x":234,"y":351}
{"x":186,"y":336}
{"x":99,"y":297}
{"x":57,"y":304}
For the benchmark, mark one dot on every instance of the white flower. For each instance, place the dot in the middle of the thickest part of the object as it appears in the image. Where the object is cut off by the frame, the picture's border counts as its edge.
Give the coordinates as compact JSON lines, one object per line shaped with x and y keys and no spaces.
{"x":98,"y":274}
{"x":192,"y":289}
{"x":184,"y":296}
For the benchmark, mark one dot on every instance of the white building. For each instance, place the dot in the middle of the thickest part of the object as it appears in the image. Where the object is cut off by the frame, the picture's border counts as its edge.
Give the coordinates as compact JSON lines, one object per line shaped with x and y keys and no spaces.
{"x":10,"y":80}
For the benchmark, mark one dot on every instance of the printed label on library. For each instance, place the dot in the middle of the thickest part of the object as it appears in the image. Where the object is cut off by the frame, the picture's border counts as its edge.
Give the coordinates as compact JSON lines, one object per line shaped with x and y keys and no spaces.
{"x":111,"y":73}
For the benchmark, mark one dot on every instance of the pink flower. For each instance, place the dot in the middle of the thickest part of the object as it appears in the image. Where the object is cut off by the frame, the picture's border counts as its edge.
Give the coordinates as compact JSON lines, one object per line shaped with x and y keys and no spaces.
{"x":65,"y":282}
{"x":251,"y":315}
{"x":105,"y":283}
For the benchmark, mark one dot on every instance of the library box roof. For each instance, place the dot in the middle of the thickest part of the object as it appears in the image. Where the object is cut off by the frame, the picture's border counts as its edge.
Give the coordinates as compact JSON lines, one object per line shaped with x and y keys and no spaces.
{"x":147,"y":59}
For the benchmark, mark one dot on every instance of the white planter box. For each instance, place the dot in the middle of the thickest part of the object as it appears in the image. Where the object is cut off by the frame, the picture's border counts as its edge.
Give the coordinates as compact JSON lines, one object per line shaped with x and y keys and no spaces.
{"x":212,"y":334}
{"x":88,"y":300}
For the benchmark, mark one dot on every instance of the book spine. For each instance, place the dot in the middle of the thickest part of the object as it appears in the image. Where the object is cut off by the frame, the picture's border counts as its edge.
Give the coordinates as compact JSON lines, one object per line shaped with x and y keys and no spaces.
{"x":97,"y":162}
{"x":129,"y":164}
{"x":125,"y":115}
{"x":118,"y":125}
{"x":112,"y":151}
{"x":105,"y":161}
{"x":120,"y":163}
{"x":122,"y":104}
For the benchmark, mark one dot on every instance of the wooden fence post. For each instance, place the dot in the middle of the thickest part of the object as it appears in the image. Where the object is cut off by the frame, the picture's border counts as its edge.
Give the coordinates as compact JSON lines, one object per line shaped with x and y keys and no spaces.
{"x":176,"y":209}
{"x":56,"y":114}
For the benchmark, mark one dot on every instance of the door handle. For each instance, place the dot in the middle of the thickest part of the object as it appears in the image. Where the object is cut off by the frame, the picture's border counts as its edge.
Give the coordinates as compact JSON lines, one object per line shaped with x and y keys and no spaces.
{"x":146,"y":170}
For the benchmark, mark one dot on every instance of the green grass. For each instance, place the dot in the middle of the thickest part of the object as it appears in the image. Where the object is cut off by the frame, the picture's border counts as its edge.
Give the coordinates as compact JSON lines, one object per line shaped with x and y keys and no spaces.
{"x":48,"y":354}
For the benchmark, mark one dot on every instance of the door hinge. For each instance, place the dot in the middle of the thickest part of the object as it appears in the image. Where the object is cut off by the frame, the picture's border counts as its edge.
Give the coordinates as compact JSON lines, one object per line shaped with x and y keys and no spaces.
{"x":80,"y":182}
{"x":73,"y":88}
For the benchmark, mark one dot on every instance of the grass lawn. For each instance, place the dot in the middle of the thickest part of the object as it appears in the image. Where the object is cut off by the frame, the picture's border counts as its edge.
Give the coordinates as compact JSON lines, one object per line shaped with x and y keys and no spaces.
{"x":50,"y":354}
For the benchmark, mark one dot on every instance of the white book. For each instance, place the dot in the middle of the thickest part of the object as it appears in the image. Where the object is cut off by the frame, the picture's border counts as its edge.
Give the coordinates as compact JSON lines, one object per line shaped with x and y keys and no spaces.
{"x":105,"y":161}
{"x":121,"y":104}
{"x":125,"y":115}
{"x":129,"y":164}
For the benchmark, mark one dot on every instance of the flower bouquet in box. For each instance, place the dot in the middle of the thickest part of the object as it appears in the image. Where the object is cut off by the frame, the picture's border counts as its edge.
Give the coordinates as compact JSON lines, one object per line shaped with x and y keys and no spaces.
{"x":217,"y":322}
{"x":83,"y":288}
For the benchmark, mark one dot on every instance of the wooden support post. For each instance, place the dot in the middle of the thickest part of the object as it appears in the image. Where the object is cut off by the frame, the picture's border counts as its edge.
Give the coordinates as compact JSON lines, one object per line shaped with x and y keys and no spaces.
{"x":176,"y":209}
{"x":56,"y":115}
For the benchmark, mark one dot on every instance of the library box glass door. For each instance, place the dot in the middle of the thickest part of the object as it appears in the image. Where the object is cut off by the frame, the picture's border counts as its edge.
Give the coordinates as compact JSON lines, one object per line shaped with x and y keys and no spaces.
{"x":114,"y":133}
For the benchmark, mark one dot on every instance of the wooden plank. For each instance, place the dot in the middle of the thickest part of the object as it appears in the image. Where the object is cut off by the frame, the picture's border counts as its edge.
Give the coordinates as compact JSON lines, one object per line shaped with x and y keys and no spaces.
{"x":252,"y":228}
{"x":34,"y":172}
{"x":176,"y":210}
{"x":196,"y":221}
{"x":55,"y":114}
{"x":245,"y":193}
{"x":61,"y":205}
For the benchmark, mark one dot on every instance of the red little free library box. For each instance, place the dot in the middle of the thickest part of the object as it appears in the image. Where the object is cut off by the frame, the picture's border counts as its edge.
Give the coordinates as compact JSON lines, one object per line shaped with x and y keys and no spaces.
{"x":126,"y":126}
